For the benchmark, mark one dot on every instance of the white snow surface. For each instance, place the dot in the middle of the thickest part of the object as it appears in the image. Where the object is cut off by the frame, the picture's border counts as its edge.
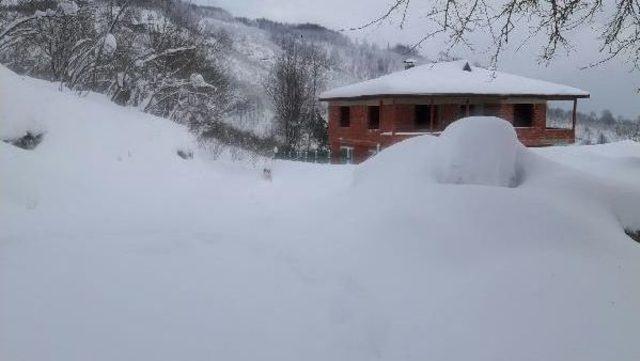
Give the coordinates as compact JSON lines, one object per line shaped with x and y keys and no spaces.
{"x":449,"y":78}
{"x":478,"y":150}
{"x":472,"y":150}
{"x":114,"y":248}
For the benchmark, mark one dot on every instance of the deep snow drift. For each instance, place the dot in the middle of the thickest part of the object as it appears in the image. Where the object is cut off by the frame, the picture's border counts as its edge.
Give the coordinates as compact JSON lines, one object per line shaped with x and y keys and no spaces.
{"x":114,"y":248}
{"x":474,"y":150}
{"x":478,"y":150}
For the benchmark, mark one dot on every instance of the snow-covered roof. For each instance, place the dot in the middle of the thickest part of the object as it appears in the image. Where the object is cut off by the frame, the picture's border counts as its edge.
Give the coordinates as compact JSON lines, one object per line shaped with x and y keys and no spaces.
{"x":453,"y":78}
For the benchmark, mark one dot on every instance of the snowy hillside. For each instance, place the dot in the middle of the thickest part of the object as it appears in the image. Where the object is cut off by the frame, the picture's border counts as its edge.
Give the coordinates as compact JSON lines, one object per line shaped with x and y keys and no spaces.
{"x":255,"y":47}
{"x":196,"y":65}
{"x":112,"y":247}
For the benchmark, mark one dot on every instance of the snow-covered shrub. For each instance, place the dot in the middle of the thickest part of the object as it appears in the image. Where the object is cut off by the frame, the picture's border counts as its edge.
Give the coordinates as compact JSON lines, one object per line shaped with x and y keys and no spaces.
{"x":185,"y":153}
{"x":635,"y":235}
{"x":50,"y":39}
{"x":28,"y":141}
{"x":165,"y":67}
{"x":477,"y":150}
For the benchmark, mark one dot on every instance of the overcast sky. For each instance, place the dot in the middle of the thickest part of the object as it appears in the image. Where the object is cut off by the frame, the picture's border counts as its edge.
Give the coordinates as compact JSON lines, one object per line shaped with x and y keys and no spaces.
{"x":612,"y":85}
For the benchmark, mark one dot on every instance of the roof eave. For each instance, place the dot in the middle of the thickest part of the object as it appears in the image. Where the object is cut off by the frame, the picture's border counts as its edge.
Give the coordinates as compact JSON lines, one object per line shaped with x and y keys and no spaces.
{"x":460,"y":95}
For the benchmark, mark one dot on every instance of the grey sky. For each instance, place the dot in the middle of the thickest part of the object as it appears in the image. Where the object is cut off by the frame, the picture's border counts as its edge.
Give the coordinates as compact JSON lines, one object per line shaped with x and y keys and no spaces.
{"x":611,"y":85}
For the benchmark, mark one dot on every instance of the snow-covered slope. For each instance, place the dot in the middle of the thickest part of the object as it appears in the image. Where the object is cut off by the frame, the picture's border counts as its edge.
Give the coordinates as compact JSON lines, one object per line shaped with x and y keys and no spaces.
{"x":114,"y":248}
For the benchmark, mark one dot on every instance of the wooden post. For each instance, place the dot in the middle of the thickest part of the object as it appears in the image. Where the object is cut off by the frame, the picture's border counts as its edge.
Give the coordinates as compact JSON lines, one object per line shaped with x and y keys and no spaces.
{"x":431,"y":111}
{"x":573,"y":115}
{"x":380,"y":117}
{"x":394,"y":121}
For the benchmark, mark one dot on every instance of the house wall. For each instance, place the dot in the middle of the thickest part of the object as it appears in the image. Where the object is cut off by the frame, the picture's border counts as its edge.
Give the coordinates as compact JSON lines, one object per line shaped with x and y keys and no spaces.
{"x":397,"y":122}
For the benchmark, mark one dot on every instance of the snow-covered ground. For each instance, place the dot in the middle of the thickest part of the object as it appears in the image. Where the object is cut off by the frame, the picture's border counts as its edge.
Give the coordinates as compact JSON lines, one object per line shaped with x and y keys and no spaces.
{"x":114,"y":248}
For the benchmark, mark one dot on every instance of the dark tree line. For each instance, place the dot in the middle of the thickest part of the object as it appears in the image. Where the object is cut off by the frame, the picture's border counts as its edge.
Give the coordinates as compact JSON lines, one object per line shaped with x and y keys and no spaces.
{"x":597,"y":128}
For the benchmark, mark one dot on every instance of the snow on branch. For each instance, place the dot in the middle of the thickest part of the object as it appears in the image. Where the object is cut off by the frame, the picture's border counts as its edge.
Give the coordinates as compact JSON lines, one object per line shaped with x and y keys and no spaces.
{"x":68,"y":8}
{"x":197,"y":80}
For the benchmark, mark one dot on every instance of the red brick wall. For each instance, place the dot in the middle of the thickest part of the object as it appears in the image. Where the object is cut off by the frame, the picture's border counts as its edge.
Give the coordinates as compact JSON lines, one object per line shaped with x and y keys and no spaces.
{"x":358,"y":135}
{"x":448,"y":114}
{"x":400,"y":118}
{"x":505,"y":111}
{"x":404,"y":117}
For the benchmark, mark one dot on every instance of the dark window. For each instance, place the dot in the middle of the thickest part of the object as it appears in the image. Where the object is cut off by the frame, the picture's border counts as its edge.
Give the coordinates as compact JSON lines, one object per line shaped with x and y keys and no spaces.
{"x":423,"y":116}
{"x":345,"y":117}
{"x":473,"y":110}
{"x":462,"y":111}
{"x":374,"y":117}
{"x":491,"y":110}
{"x":476,"y":109}
{"x":523,"y":115}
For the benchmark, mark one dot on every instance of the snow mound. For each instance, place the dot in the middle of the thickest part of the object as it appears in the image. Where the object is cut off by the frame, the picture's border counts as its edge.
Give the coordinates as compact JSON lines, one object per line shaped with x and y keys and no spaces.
{"x":473,"y":150}
{"x":477,"y":150}
{"x":409,"y":160}
{"x":83,"y":141}
{"x":20,"y":125}
{"x":91,"y":128}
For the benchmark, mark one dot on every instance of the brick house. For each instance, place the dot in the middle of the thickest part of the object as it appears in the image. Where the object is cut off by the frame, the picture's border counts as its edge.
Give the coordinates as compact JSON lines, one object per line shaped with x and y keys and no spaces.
{"x":368,"y":116}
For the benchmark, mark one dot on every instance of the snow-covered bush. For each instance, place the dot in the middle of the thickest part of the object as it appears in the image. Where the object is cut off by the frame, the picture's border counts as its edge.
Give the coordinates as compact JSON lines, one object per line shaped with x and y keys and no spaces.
{"x":45,"y":43}
{"x":166,"y":66}
{"x":28,"y":141}
{"x":185,"y":153}
{"x":635,"y":235}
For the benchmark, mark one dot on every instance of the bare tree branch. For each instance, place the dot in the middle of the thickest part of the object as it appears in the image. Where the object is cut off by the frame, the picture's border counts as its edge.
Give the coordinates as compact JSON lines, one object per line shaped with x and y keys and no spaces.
{"x":553,"y":20}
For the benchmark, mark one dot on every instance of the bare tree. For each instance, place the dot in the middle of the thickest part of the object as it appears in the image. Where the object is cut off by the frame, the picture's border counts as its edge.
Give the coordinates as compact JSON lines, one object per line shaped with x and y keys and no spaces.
{"x":293,"y":85}
{"x":314,"y":126}
{"x":553,"y":19}
{"x":52,"y":38}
